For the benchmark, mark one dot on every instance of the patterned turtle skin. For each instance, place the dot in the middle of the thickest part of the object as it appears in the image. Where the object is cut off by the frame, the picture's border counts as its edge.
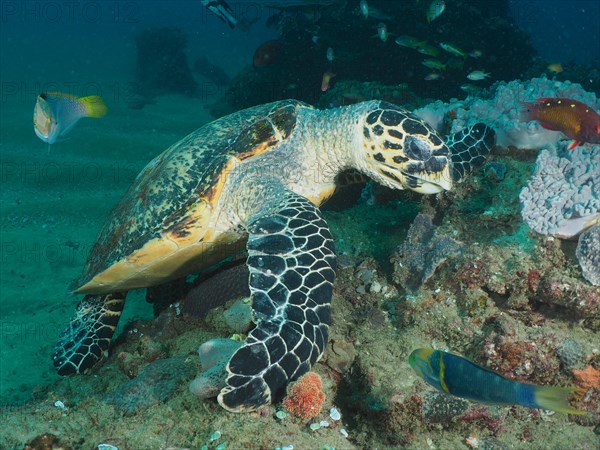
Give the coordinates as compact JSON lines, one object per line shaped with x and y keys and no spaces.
{"x":253,"y":181}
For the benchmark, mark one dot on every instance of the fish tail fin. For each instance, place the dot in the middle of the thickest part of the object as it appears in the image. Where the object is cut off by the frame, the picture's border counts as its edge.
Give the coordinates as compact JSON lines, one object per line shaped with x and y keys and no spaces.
{"x":556,"y":399}
{"x":93,"y":106}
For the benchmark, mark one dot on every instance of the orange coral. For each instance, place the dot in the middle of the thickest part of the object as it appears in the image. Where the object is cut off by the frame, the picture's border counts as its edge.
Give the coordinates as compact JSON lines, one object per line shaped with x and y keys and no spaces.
{"x":588,"y":377}
{"x":305,"y":397}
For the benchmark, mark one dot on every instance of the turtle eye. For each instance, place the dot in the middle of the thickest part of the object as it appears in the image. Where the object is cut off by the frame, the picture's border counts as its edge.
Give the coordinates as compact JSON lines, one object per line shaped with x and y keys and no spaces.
{"x":417,"y":149}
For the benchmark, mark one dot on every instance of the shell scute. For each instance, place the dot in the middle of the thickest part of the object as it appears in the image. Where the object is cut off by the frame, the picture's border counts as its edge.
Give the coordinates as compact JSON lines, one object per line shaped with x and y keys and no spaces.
{"x":180,"y":186}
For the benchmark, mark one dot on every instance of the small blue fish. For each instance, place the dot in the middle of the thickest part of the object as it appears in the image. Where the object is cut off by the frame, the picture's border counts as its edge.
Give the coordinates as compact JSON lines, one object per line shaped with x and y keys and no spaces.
{"x":458,"y":376}
{"x":55,"y":113}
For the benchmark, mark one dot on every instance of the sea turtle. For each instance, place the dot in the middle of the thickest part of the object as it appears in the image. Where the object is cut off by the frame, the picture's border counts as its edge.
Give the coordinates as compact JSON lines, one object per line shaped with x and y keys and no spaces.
{"x":253,"y":181}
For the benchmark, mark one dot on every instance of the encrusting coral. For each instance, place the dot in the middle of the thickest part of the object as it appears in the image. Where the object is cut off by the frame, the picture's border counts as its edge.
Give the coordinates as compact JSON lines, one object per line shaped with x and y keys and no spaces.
{"x":305,"y":397}
{"x":588,"y":378}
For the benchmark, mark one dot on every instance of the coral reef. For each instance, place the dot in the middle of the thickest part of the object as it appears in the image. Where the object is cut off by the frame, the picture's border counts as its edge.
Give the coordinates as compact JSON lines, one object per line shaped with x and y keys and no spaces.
{"x":156,"y":383}
{"x":305,"y":396}
{"x":423,"y":251}
{"x":587,"y":75}
{"x":340,"y":354}
{"x":562,"y":198}
{"x":588,"y":378}
{"x":571,"y":353}
{"x":495,"y":171}
{"x":130,"y":364}
{"x":46,"y":441}
{"x":305,"y":38}
{"x":588,"y":254}
{"x":214,"y":356}
{"x":495,"y":292}
{"x":577,"y":297}
{"x":501,"y":109}
{"x":238,"y":316}
{"x":442,"y":408}
{"x":532,"y":359}
{"x":511,"y":300}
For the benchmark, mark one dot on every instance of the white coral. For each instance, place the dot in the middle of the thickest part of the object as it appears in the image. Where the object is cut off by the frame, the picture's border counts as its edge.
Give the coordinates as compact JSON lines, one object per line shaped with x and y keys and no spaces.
{"x":504,"y":113}
{"x":562,"y":198}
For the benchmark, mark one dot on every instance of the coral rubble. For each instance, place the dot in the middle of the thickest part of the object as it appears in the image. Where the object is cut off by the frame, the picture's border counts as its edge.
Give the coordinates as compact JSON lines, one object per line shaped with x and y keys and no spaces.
{"x":156,"y":383}
{"x":588,"y":254}
{"x":423,"y":251}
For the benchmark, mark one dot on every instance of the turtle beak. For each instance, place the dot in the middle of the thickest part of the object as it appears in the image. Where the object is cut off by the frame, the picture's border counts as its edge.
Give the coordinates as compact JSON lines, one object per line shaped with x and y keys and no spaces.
{"x":433,"y":188}
{"x":429,"y":177}
{"x":433,"y":183}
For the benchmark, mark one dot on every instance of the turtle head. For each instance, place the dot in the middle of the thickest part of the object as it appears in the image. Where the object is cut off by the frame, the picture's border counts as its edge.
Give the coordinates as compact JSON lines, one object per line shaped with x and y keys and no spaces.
{"x":399,"y":150}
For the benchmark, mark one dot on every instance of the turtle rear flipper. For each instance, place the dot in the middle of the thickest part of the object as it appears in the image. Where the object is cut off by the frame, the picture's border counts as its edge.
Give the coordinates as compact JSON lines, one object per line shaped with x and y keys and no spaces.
{"x":469,"y":149}
{"x":83,"y":343}
{"x":292,"y":269}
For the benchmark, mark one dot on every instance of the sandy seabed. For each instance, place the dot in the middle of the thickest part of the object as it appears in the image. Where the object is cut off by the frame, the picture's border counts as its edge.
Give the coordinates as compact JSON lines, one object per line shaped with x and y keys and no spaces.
{"x":53,"y":204}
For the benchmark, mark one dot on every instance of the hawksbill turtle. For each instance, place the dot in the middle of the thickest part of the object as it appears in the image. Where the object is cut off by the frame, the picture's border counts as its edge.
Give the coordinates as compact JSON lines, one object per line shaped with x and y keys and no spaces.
{"x":252,"y":182}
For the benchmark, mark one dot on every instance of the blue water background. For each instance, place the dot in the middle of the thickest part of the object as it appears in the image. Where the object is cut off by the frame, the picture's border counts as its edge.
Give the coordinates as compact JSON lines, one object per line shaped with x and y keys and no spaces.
{"x":85,"y":42}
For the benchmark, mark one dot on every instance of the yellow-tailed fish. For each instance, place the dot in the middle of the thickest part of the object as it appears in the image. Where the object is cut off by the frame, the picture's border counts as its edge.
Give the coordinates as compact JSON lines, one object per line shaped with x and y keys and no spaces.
{"x":458,"y":376}
{"x":555,"y":68}
{"x":55,"y":113}
{"x":326,"y":81}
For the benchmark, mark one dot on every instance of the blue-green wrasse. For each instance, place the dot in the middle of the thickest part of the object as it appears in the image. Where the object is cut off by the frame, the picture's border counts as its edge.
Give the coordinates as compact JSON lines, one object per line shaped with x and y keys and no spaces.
{"x":458,"y":376}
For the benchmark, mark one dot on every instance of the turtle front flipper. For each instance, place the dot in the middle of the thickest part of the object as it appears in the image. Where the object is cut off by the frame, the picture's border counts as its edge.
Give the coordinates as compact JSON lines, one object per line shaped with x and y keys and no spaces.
{"x":469,"y":148}
{"x":292,"y":268}
{"x":83,"y":343}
